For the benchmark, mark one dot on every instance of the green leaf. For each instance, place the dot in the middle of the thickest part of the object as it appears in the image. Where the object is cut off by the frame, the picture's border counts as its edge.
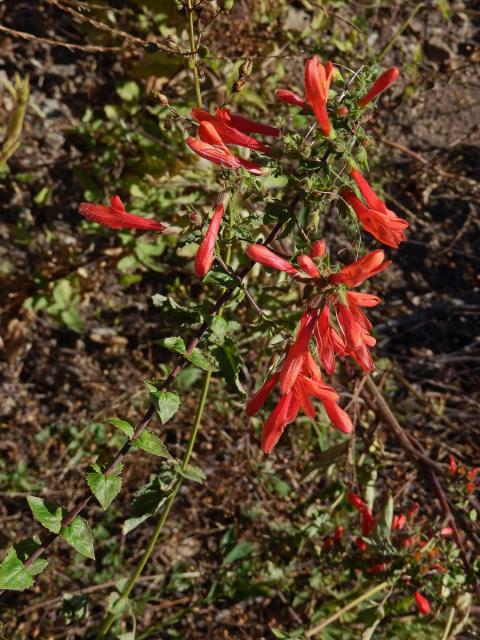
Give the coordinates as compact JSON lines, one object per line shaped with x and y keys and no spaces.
{"x":151,"y":443}
{"x":25,"y":549}
{"x":116,"y":604}
{"x":13,"y":574}
{"x":219,"y":328}
{"x":79,"y":536}
{"x":239,"y":552}
{"x":220,"y":278}
{"x":166,"y":404}
{"x":175,"y":344}
{"x":123,"y":425}
{"x":132,"y":523}
{"x":129,"y":91}
{"x":200,"y":360}
{"x":229,"y":361}
{"x":104,"y":488}
{"x":72,"y":319}
{"x":384,"y":525}
{"x":48,"y":514}
{"x":193,"y":473}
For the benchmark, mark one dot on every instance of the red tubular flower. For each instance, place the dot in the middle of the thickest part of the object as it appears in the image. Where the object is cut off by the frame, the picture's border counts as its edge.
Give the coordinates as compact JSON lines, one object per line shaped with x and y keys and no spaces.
{"x":381,"y":567}
{"x":338,"y":417}
{"x":277,"y":421}
{"x":423,"y":604}
{"x":206,"y":252}
{"x":351,"y":329}
{"x":227,"y":133}
{"x":296,"y":354}
{"x":452,"y":464}
{"x":362,"y":299}
{"x":328,"y":544}
{"x":382,"y":223}
{"x":115,"y":216}
{"x":386,"y":79}
{"x":368,"y":522}
{"x":211,"y":147}
{"x":357,"y":272}
{"x":308,"y":265}
{"x":257,"y":401}
{"x":244,"y":124}
{"x":260,"y":253}
{"x":338,"y":533}
{"x":317,"y":85}
{"x":291,"y":98}
{"x":324,"y":341}
{"x":361,"y":544}
{"x":399,"y":521}
{"x":446,"y":532}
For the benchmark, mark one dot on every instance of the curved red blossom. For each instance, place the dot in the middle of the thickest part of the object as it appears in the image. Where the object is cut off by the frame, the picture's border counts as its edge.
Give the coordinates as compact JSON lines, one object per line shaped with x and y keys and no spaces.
{"x":386,"y":79}
{"x":227,"y":133}
{"x":295,"y":356}
{"x":206,"y":252}
{"x":307,"y":264}
{"x":245,"y":125}
{"x":211,"y":147}
{"x":115,"y":216}
{"x":263,"y":255}
{"x":289,"y":97}
{"x":357,"y":272}
{"x":285,"y":412}
{"x":382,"y":223}
{"x":368,"y":522}
{"x":338,"y":417}
{"x":317,"y":86}
{"x":423,"y":604}
{"x":257,"y":401}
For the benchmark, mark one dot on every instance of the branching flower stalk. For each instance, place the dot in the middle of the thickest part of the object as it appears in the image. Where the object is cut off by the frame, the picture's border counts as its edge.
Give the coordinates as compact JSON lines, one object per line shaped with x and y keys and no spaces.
{"x":325,"y":157}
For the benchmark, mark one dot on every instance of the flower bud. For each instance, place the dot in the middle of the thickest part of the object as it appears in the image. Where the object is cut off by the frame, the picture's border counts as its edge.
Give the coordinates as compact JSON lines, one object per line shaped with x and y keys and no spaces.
{"x":203,"y":51}
{"x":422,"y":603}
{"x":246,"y":68}
{"x":342,"y":111}
{"x":196,"y":218}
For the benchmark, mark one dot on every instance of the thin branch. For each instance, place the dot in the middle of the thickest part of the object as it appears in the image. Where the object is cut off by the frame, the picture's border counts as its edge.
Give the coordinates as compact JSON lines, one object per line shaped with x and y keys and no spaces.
{"x":58,"y":43}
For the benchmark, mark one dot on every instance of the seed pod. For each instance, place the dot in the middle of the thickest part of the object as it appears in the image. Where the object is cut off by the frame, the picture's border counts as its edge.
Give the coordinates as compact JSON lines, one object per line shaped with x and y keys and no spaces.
{"x":239,"y":84}
{"x":172,"y":41}
{"x":246,"y":68}
{"x":162,"y":99}
{"x":226,"y":5}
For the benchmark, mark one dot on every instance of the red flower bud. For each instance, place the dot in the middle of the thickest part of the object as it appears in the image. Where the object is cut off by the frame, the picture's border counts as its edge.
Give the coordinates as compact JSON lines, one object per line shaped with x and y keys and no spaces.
{"x":386,"y":79}
{"x":422,"y":603}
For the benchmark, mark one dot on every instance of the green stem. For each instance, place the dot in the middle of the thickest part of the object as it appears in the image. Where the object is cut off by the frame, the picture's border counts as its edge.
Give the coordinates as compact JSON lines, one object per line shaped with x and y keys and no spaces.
{"x":193,"y":55}
{"x":448,"y":628}
{"x":166,"y":510}
{"x":351,"y":605}
{"x":400,"y":30}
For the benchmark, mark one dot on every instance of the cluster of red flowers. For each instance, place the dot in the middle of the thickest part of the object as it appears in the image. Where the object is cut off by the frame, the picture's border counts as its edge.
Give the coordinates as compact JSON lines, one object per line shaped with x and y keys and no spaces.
{"x":338,"y":324}
{"x":351,"y":339}
{"x":403,"y":537}
{"x":469,"y":476}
